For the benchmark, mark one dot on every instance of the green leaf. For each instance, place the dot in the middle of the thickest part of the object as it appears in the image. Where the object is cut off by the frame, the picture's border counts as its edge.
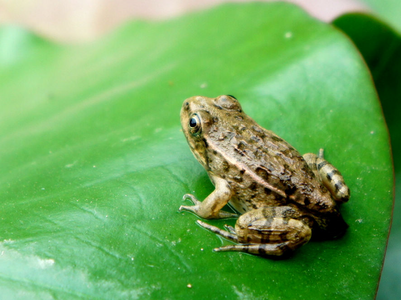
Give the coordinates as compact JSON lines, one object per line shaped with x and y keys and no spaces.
{"x":95,"y":164}
{"x":388,"y":10}
{"x":381,"y":48}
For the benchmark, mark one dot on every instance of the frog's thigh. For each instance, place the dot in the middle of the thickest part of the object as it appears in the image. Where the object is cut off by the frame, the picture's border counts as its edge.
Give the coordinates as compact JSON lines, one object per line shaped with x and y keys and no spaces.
{"x":269,"y":231}
{"x":328,"y":175}
{"x":210,"y":208}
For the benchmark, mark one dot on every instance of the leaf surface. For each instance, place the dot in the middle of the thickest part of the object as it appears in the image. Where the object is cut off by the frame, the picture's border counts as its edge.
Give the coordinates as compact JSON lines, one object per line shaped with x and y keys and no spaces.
{"x":380,"y":46}
{"x":95,"y":164}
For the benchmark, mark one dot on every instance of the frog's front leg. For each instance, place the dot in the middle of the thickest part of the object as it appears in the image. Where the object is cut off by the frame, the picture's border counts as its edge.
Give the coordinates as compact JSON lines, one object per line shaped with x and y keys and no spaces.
{"x":210,"y":208}
{"x":328,"y":175}
{"x":267,"y":231}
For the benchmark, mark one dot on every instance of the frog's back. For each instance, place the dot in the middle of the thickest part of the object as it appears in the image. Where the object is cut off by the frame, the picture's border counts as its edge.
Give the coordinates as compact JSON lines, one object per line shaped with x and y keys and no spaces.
{"x":263,"y":168}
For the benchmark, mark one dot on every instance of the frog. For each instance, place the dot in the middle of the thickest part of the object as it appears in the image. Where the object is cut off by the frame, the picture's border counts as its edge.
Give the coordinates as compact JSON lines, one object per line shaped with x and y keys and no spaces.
{"x":279,"y":196}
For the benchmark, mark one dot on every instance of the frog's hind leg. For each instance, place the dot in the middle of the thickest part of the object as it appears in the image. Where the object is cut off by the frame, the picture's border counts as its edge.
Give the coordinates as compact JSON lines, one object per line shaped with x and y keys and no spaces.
{"x":267,"y":231}
{"x":328,"y":175}
{"x":271,"y":231}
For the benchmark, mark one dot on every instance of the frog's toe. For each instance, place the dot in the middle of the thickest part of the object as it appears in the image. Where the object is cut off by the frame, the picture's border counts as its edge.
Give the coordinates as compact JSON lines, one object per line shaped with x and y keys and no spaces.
{"x":187,"y":208}
{"x":191,"y":197}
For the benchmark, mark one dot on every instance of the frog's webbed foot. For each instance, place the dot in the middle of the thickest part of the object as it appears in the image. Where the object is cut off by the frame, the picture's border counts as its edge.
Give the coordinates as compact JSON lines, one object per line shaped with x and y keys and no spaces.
{"x":328,"y":175}
{"x":210,"y":208}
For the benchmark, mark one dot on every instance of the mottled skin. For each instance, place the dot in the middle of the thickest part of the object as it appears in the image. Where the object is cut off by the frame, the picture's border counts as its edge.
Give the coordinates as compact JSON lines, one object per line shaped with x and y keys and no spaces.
{"x":283,"y":197}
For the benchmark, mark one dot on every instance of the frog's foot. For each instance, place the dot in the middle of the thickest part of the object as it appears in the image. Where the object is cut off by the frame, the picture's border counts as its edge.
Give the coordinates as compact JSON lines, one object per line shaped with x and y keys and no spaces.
{"x":192,"y":198}
{"x":278,"y":249}
{"x":198,"y":209}
{"x":228,"y":235}
{"x":206,"y":209}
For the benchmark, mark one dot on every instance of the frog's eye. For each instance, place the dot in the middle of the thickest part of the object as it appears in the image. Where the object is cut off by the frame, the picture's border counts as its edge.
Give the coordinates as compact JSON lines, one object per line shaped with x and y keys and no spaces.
{"x":194,"y":124}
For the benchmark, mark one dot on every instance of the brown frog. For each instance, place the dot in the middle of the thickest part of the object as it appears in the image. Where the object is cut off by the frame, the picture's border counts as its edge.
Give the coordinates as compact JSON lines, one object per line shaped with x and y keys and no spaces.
{"x":282,"y":196}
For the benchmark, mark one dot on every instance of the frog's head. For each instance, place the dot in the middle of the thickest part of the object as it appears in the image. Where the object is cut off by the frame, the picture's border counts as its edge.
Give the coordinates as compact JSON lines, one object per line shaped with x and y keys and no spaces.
{"x":199,"y":114}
